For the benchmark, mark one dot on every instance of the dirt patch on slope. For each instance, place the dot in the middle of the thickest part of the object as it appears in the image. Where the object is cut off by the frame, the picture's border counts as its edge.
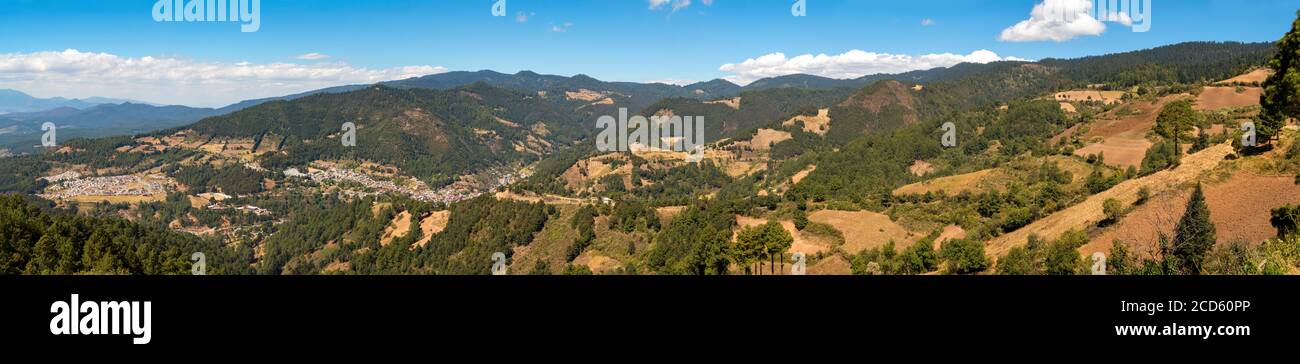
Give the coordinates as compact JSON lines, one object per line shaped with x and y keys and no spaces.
{"x":1108,"y":97}
{"x":733,"y":103}
{"x":863,"y":229}
{"x":1089,"y":212}
{"x":1255,"y":77}
{"x":398,"y":228}
{"x":1123,"y":139}
{"x":1214,"y":98}
{"x":766,"y":138}
{"x":819,"y":124}
{"x":979,"y":181}
{"x":802,"y":174}
{"x":432,"y":225}
{"x":1239,"y":207}
{"x":921,"y":168}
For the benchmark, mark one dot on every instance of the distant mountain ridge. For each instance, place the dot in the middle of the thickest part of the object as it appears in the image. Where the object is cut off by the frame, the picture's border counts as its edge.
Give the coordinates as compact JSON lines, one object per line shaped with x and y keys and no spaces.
{"x":14,"y":101}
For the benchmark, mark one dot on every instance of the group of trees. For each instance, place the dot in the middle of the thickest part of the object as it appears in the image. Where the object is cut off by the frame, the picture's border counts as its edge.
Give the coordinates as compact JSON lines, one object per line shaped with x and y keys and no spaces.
{"x":918,"y":258}
{"x":1281,"y":98}
{"x":35,"y":238}
{"x":756,"y":244}
{"x":233,"y":180}
{"x":1193,"y":242}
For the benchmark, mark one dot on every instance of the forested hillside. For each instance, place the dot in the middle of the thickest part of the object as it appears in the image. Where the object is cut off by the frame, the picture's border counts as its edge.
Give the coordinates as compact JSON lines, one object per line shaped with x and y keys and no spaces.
{"x":886,"y":174}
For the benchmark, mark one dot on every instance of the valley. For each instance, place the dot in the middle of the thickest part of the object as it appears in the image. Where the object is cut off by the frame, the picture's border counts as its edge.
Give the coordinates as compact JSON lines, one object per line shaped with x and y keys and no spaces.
{"x":447,"y":170}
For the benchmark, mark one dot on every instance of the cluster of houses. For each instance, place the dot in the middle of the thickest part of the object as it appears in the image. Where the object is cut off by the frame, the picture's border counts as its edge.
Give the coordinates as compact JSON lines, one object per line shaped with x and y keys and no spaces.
{"x":70,"y":184}
{"x":417,"y":190}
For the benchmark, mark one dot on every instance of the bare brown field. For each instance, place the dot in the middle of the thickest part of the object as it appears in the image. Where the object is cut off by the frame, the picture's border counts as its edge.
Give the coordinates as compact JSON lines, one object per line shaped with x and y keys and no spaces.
{"x":1122,"y":150}
{"x":1124,"y":141}
{"x":1253,"y":77}
{"x":863,"y":229}
{"x":979,"y":181}
{"x":766,"y":138}
{"x":1214,"y":98}
{"x":584,"y":95}
{"x":533,"y":198}
{"x":598,"y":263}
{"x":920,"y":168}
{"x":432,"y":225}
{"x":1239,"y":207}
{"x":949,"y":232}
{"x":1089,"y":212}
{"x":583,"y":173}
{"x":1109,"y":97}
{"x":1069,"y":108}
{"x":802,"y":174}
{"x":733,"y":103}
{"x":834,"y":265}
{"x":819,"y":124}
{"x":398,"y":228}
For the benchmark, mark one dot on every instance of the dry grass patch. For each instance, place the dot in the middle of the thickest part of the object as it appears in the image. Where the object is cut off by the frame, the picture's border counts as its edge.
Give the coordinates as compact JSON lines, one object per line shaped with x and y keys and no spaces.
{"x":863,"y":229}
{"x":766,"y":138}
{"x":979,"y":181}
{"x":920,"y":168}
{"x":431,"y":225}
{"x":1257,"y":76}
{"x":733,"y":103}
{"x":1214,"y":98}
{"x":398,"y":228}
{"x":1089,"y":212}
{"x":1123,"y":139}
{"x":584,"y":95}
{"x":819,"y":124}
{"x":1068,"y":108}
{"x":803,"y":174}
{"x":1240,"y":208}
{"x":1108,"y":97}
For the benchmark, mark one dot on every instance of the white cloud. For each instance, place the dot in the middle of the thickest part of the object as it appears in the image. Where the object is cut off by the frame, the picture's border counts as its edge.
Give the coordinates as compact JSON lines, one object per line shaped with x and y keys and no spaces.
{"x":561,"y":28}
{"x":675,"y":5}
{"x":927,"y":22}
{"x":673,"y":81}
{"x":522,"y":17}
{"x":171,"y":80}
{"x":1059,"y":21}
{"x":851,"y":64}
{"x":313,"y":56}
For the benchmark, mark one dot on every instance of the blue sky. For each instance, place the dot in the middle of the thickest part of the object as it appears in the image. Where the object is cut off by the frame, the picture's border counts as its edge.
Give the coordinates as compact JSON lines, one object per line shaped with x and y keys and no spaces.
{"x":621,"y":40}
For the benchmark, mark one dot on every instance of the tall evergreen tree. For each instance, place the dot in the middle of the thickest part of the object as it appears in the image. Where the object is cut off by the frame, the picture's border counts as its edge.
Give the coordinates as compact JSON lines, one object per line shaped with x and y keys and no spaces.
{"x":1194,"y":235}
{"x":1281,"y":98}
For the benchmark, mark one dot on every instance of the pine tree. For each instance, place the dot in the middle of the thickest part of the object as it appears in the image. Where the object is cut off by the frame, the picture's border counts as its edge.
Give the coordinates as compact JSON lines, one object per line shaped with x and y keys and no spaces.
{"x":1194,"y":235}
{"x":1280,"y":99}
